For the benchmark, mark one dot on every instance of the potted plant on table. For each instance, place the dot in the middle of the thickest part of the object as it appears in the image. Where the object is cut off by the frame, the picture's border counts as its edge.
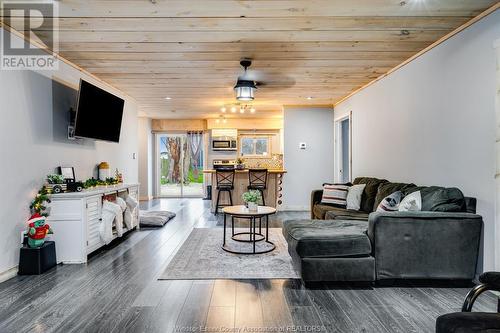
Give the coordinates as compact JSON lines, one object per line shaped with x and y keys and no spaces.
{"x":251,"y":198}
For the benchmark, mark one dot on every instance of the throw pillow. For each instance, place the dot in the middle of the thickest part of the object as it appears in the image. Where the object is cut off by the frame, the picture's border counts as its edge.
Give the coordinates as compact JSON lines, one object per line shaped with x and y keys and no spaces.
{"x":335,"y":194}
{"x":391,"y":202}
{"x":436,"y":198}
{"x":386,"y":189}
{"x":370,"y":192}
{"x":412,"y":202}
{"x":354,"y":194}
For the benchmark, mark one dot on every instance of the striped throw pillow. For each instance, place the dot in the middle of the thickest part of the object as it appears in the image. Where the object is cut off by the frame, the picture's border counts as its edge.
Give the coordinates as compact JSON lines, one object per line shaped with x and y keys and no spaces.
{"x":335,"y":194}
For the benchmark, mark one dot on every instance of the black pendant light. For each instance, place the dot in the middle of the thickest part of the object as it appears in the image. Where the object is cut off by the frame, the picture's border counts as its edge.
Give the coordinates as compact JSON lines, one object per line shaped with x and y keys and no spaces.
{"x":245,"y":89}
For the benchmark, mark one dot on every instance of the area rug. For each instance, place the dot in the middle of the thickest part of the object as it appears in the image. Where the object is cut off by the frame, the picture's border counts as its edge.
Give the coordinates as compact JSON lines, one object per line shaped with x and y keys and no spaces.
{"x":202,"y":258}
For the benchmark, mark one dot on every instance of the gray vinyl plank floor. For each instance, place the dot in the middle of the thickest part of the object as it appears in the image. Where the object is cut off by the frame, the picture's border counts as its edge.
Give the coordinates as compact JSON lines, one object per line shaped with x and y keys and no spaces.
{"x":118,"y":291}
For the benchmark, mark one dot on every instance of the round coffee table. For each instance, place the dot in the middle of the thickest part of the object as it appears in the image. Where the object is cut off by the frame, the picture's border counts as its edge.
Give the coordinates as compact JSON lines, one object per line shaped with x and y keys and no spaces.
{"x":244,"y":213}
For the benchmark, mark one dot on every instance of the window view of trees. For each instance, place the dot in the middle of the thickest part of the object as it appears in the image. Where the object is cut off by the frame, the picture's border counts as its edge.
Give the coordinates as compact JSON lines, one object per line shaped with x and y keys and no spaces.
{"x":181,"y":159}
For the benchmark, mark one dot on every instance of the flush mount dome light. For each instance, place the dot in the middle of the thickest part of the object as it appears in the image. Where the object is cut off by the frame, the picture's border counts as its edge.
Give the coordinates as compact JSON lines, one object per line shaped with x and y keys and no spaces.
{"x":244,"y":88}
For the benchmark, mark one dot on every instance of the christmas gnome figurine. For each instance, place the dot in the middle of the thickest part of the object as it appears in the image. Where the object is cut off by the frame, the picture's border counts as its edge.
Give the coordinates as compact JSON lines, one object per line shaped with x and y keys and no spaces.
{"x":37,"y":230}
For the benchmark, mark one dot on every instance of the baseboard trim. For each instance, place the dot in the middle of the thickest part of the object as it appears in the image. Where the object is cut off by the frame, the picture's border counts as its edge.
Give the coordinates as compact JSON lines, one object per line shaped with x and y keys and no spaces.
{"x":8,"y":274}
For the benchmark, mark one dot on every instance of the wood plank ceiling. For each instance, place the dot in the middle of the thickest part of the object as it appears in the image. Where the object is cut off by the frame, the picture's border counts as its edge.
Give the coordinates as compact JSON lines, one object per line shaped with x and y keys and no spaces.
{"x":190,"y":50}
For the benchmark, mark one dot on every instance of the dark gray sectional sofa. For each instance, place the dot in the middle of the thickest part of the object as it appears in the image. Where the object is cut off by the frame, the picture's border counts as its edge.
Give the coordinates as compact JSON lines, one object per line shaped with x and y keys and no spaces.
{"x":439,"y":243}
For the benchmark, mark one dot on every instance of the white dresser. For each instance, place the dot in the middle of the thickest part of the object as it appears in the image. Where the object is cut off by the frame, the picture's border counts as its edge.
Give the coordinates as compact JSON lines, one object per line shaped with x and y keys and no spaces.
{"x":75,"y":219}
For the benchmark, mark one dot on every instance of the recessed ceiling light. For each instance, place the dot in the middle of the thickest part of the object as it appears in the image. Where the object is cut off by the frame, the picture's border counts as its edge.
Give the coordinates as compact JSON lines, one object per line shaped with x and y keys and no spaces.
{"x":223,"y":109}
{"x":252,"y":110}
{"x":309,"y":97}
{"x":233,"y":109}
{"x":168,"y":98}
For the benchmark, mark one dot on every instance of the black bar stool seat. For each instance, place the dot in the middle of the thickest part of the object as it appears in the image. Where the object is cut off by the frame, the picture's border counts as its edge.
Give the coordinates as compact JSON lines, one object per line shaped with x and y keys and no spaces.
{"x":257,"y":179}
{"x":225,"y":183}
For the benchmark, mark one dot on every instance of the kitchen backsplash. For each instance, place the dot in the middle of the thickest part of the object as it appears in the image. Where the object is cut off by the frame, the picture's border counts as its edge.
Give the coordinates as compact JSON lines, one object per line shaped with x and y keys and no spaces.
{"x":274,"y":162}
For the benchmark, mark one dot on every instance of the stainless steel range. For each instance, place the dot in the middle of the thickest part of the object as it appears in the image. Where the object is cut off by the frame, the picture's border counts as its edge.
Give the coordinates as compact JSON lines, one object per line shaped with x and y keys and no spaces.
{"x":224,"y":164}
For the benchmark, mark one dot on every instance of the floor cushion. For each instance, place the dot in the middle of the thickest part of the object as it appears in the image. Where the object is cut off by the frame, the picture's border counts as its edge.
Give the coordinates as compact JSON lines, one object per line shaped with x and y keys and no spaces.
{"x":149,"y":218}
{"x":327,"y":238}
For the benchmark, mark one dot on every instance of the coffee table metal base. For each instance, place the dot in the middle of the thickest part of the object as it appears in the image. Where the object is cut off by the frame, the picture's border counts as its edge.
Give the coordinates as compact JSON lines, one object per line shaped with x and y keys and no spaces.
{"x":252,"y":235}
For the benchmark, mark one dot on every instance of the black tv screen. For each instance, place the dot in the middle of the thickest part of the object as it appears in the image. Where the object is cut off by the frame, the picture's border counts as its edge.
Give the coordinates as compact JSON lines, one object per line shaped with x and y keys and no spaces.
{"x":98,"y":114}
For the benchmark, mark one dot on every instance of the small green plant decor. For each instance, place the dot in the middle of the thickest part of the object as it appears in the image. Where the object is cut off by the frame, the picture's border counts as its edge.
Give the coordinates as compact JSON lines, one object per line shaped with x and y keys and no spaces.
{"x":55,"y":179}
{"x":251,"y":199}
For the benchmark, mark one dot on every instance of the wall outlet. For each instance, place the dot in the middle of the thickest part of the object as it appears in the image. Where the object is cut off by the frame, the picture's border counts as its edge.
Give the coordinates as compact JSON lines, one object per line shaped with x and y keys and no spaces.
{"x":302,"y":145}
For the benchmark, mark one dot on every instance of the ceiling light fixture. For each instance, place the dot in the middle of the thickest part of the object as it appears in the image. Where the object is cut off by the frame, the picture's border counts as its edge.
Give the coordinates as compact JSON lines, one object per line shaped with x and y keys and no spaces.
{"x":168,"y":98}
{"x":245,"y":89}
{"x":221,"y":119}
{"x":241,"y":107}
{"x":309,"y":97}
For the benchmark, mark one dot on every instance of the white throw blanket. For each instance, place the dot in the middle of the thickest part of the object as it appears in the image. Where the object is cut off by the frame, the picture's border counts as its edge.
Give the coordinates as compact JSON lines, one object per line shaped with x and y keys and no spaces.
{"x":111,"y":214}
{"x":131,"y":211}
{"x":107,"y":217}
{"x":121,"y":203}
{"x":118,"y":218}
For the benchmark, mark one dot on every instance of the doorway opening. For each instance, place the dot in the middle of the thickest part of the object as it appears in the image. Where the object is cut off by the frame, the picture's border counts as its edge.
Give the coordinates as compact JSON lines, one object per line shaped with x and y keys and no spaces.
{"x":180,"y":164}
{"x":343,"y":163}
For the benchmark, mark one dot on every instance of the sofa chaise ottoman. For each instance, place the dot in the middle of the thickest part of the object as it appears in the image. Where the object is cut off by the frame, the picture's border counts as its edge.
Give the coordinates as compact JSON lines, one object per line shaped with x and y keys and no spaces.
{"x":330,"y":250}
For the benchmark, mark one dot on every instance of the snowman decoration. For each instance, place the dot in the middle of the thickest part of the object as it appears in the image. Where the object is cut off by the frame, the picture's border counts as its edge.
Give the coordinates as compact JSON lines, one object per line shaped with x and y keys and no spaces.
{"x":37,"y":230}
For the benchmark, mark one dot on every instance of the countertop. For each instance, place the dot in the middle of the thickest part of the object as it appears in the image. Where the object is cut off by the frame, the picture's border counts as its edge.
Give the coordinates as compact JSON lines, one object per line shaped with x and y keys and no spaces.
{"x":92,"y":191}
{"x":246,"y":171}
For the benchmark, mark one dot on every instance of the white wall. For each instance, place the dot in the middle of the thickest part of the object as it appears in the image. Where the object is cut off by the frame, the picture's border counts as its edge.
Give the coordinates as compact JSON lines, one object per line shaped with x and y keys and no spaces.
{"x":145,"y":157}
{"x":432,"y":122}
{"x":34,"y":118}
{"x":497,"y":175}
{"x":307,"y":169}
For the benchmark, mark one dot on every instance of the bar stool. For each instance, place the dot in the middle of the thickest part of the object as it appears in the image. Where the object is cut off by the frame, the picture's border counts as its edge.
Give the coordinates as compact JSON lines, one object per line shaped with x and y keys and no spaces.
{"x":225,"y":183}
{"x":257,"y":179}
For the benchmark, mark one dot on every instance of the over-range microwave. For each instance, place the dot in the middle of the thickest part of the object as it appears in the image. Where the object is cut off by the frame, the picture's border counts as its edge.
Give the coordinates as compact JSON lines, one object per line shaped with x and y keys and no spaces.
{"x":229,"y":144}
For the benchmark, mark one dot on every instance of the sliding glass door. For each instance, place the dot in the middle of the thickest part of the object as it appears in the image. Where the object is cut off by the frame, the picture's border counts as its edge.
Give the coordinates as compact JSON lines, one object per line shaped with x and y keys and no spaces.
{"x":180,"y":164}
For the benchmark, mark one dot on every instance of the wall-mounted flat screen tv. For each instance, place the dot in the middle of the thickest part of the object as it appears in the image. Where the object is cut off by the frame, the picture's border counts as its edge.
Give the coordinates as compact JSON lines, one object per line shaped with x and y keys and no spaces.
{"x":98,"y":114}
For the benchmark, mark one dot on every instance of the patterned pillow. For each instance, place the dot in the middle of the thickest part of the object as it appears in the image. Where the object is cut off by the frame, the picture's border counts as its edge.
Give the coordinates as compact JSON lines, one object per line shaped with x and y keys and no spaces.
{"x":412,"y":202}
{"x":335,"y":194}
{"x":391,"y":202}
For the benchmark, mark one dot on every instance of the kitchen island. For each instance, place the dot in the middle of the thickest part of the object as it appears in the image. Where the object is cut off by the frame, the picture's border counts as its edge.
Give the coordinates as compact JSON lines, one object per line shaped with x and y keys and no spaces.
{"x":271,"y":195}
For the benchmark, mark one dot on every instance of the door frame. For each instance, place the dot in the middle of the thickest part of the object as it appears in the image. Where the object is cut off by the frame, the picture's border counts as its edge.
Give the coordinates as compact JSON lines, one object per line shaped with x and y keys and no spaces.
{"x":338,"y":147}
{"x":157,"y":166}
